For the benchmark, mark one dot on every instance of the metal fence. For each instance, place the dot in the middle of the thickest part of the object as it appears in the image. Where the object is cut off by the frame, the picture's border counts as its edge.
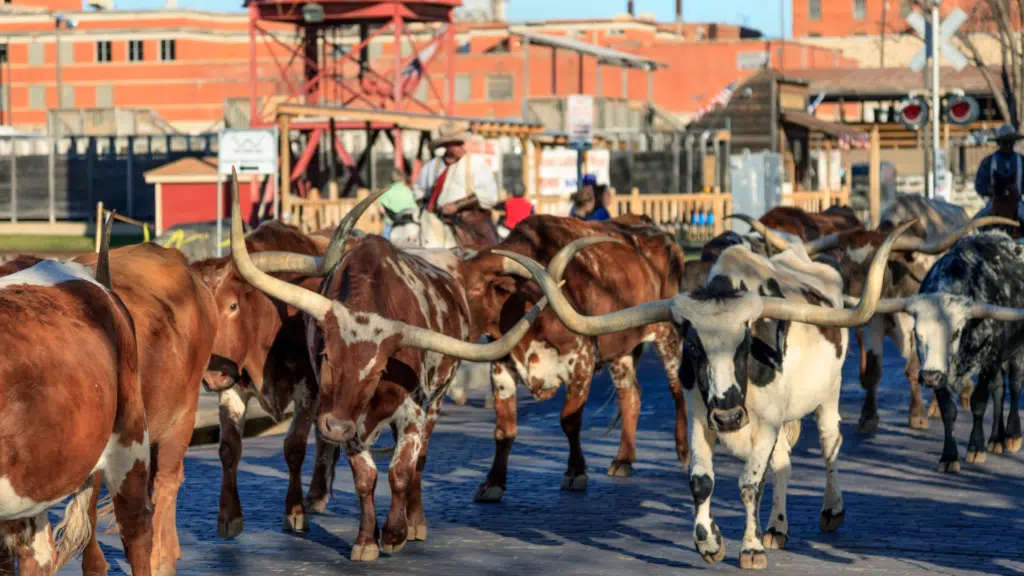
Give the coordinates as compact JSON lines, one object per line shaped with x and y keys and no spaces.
{"x":60,"y":179}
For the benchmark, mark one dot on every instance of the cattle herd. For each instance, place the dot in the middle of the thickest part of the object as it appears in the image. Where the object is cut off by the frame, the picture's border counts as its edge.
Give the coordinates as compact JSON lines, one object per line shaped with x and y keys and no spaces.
{"x":106,"y":354}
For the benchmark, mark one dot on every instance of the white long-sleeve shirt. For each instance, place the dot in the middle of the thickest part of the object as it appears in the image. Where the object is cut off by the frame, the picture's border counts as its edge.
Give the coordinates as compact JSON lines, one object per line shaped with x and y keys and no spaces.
{"x":483,"y":183}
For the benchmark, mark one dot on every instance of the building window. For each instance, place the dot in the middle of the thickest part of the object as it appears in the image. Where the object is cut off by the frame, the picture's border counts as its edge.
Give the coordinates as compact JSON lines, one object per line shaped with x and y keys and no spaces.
{"x":463,"y":48}
{"x":167,"y":50}
{"x":67,"y":97}
{"x":814,"y":9}
{"x":105,"y":96}
{"x":104,"y":52}
{"x":67,"y":53}
{"x":500,"y":87}
{"x":37,"y":97}
{"x":422,"y":91}
{"x":3,"y":53}
{"x":463,"y":88}
{"x":860,"y":9}
{"x":36,"y":56}
{"x":135,"y":51}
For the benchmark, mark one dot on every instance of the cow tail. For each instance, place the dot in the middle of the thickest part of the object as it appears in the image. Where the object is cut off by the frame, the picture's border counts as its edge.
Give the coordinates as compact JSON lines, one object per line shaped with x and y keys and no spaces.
{"x":74,"y":530}
{"x":792,"y":431}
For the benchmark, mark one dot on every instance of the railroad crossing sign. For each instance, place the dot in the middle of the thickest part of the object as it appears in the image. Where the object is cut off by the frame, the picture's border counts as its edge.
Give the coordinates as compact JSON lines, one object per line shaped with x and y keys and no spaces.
{"x":946,"y":31}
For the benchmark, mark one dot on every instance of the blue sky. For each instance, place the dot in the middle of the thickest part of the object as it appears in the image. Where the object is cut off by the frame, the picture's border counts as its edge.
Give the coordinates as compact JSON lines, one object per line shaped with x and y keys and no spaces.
{"x":760,"y":14}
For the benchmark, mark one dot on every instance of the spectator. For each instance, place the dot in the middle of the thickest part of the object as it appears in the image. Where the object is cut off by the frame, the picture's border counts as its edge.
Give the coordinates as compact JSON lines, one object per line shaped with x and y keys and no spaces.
{"x":517,"y":208}
{"x":397,"y":203}
{"x":589,"y":183}
{"x":582,"y":204}
{"x":604,"y":195}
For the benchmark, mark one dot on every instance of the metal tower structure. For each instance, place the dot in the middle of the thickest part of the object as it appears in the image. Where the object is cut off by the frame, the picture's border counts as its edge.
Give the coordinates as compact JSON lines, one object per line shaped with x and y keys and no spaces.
{"x":327,"y":61}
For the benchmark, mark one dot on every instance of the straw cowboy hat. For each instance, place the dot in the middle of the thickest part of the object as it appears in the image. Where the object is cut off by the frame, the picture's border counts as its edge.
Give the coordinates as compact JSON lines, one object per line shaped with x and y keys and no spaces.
{"x":450,"y":133}
{"x":1006,"y":132}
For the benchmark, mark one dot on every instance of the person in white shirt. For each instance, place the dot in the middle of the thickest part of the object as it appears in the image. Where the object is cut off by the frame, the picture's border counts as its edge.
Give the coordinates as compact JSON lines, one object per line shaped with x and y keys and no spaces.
{"x":457,"y":191}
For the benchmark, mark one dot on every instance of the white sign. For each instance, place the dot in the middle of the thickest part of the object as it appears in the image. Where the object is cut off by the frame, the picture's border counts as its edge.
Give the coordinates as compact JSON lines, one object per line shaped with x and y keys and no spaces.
{"x":751,"y":60}
{"x":248,"y":151}
{"x":558,"y":170}
{"x":489,"y":150}
{"x":946,"y":31}
{"x":940,"y":161}
{"x":580,"y":119}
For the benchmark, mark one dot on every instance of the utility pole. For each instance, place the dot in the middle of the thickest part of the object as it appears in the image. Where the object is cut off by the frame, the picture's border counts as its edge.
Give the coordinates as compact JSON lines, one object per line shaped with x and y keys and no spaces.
{"x":885,"y":12}
{"x":936,"y":87}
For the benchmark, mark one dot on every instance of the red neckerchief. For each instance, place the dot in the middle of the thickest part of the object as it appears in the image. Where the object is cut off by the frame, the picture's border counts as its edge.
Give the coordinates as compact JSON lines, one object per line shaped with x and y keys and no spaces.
{"x":438,"y":186}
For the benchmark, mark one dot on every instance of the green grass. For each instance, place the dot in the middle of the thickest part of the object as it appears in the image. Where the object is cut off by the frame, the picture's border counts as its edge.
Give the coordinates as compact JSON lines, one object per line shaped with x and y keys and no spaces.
{"x":53,"y":243}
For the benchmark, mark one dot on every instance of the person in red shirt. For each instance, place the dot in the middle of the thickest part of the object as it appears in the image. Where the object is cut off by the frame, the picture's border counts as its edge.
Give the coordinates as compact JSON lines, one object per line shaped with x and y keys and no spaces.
{"x":517,"y":208}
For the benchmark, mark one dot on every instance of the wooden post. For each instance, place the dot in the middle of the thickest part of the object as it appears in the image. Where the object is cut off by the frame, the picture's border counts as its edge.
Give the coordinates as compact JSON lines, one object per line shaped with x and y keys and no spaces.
{"x":827,"y":177}
{"x":286,"y":166}
{"x":874,"y":179}
{"x":99,"y":225}
{"x":634,"y":202}
{"x":613,"y":205}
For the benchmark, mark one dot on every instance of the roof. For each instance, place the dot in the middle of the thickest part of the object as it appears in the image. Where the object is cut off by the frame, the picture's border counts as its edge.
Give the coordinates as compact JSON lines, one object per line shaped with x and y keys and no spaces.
{"x":869,"y":83}
{"x":408,"y":120}
{"x":184,"y":170}
{"x":817,"y":124}
{"x":603,"y":55}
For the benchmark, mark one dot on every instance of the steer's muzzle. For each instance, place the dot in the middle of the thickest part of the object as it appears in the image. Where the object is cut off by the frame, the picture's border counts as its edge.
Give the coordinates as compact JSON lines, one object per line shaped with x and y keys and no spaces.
{"x":729,"y":420}
{"x":931,"y":378}
{"x":335,"y":430}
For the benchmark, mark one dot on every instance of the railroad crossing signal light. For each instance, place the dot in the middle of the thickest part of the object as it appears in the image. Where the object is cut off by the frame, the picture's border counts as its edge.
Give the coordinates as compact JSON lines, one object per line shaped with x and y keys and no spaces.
{"x":914,"y":113}
{"x":961,"y":110}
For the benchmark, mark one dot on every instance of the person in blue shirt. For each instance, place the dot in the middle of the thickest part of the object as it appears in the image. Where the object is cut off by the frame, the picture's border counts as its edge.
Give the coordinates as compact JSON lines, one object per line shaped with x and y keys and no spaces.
{"x":1005,"y":162}
{"x":604,"y":198}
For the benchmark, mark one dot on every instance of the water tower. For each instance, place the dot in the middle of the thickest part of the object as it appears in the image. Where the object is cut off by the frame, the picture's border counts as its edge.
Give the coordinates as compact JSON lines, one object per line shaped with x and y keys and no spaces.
{"x":323,"y":55}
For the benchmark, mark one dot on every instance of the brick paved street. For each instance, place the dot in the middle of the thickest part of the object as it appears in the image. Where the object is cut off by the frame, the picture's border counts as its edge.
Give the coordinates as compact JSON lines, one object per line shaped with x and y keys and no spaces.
{"x":902,"y":517}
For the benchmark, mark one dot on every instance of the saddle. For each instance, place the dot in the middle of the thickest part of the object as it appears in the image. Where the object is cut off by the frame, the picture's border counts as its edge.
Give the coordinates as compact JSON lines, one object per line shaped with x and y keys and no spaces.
{"x":474,"y":229}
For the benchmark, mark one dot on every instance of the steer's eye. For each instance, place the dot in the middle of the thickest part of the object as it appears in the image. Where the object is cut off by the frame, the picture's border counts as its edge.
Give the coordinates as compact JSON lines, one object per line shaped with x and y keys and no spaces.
{"x":234,"y":306}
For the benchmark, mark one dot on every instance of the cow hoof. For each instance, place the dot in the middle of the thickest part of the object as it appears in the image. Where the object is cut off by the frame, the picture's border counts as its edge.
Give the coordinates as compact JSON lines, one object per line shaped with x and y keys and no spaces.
{"x":831,"y":522}
{"x":933,"y":410}
{"x":364,"y":552}
{"x":391,"y":549}
{"x":753,"y":560}
{"x":919,"y":422}
{"x":574,"y":483}
{"x":976,"y":456}
{"x":995,"y":447}
{"x":950,"y":467}
{"x":315,"y":505}
{"x":1012,"y":445}
{"x":295,"y":523}
{"x":229,"y":528}
{"x":867,"y":425}
{"x":418,"y":533}
{"x":774,"y":540}
{"x":489,"y":494}
{"x":620,"y":468}
{"x":714,"y":555}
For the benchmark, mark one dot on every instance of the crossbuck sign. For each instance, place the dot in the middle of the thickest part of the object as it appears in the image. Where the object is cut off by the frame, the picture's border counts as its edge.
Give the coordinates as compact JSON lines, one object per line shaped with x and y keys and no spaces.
{"x":946,"y":31}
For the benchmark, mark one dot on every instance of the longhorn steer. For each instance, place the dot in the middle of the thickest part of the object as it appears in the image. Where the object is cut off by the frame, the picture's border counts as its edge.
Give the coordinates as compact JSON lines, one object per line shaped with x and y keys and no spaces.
{"x":385,"y":335}
{"x":764,"y":348}
{"x":72,"y":407}
{"x":260,"y":352}
{"x":966,"y":319}
{"x":645,"y":265}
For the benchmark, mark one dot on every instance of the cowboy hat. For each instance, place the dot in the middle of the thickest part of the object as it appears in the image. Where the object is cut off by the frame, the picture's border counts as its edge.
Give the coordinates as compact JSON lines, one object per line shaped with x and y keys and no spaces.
{"x":450,"y":133}
{"x":1006,"y":132}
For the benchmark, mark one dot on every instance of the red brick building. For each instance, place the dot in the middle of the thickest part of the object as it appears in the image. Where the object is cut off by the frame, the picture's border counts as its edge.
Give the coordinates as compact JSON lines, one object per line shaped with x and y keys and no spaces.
{"x":829,"y":18}
{"x":183,"y":65}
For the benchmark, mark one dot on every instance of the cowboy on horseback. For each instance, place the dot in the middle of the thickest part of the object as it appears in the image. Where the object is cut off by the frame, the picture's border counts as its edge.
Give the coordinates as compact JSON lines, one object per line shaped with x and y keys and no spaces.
{"x":1001,"y":172}
{"x":457,"y":191}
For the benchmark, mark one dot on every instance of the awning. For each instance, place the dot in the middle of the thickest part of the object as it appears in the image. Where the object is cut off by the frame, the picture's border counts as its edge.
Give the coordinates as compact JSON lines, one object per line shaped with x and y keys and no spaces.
{"x":603,"y":55}
{"x":486,"y":127}
{"x":813,"y":124}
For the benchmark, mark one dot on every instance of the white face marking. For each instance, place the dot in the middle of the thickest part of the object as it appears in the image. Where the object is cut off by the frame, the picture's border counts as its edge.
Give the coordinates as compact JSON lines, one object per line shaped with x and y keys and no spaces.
{"x":939,"y":320}
{"x":14,"y":507}
{"x":118,"y":460}
{"x":49,"y":273}
{"x":721,"y":327}
{"x":860,"y":255}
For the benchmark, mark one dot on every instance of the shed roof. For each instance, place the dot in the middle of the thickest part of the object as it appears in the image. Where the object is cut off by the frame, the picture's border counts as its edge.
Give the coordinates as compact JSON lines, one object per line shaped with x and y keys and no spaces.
{"x":183,"y":170}
{"x":814,"y":124}
{"x":604,"y":55}
{"x":867,"y":83}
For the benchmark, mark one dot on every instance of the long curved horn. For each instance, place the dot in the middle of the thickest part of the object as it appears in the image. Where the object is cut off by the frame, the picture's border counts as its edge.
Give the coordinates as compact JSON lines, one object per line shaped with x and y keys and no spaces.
{"x":641,"y":315}
{"x":785,"y":309}
{"x":336,"y":249}
{"x":103,"y":260}
{"x":308,"y":301}
{"x":770,"y":236}
{"x":885,"y":305}
{"x":830,"y":242}
{"x":997,"y":312}
{"x":912,"y":244}
{"x":423,"y":339}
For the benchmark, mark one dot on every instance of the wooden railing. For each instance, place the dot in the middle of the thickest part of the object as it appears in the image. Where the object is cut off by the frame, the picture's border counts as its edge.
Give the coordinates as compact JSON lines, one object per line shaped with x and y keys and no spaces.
{"x":817,"y":201}
{"x":313,"y":213}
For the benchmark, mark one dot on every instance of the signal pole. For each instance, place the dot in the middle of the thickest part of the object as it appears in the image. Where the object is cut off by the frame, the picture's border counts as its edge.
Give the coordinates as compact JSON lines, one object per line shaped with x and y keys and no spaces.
{"x":934,"y":49}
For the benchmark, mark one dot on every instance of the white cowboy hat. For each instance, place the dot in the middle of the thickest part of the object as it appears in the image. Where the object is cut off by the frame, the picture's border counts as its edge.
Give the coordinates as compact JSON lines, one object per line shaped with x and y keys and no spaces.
{"x":449,"y":133}
{"x":1006,"y":132}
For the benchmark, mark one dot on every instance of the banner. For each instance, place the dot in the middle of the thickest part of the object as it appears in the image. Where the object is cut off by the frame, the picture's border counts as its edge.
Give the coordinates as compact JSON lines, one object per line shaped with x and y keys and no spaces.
{"x":489,"y":150}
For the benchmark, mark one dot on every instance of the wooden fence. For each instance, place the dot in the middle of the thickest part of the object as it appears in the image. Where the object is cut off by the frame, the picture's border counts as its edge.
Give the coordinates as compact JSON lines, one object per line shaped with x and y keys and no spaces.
{"x":688,"y":217}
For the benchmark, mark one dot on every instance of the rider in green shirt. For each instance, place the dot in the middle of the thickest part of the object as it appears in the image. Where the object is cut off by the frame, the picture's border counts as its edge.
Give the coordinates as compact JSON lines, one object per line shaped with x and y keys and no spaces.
{"x":398,"y":198}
